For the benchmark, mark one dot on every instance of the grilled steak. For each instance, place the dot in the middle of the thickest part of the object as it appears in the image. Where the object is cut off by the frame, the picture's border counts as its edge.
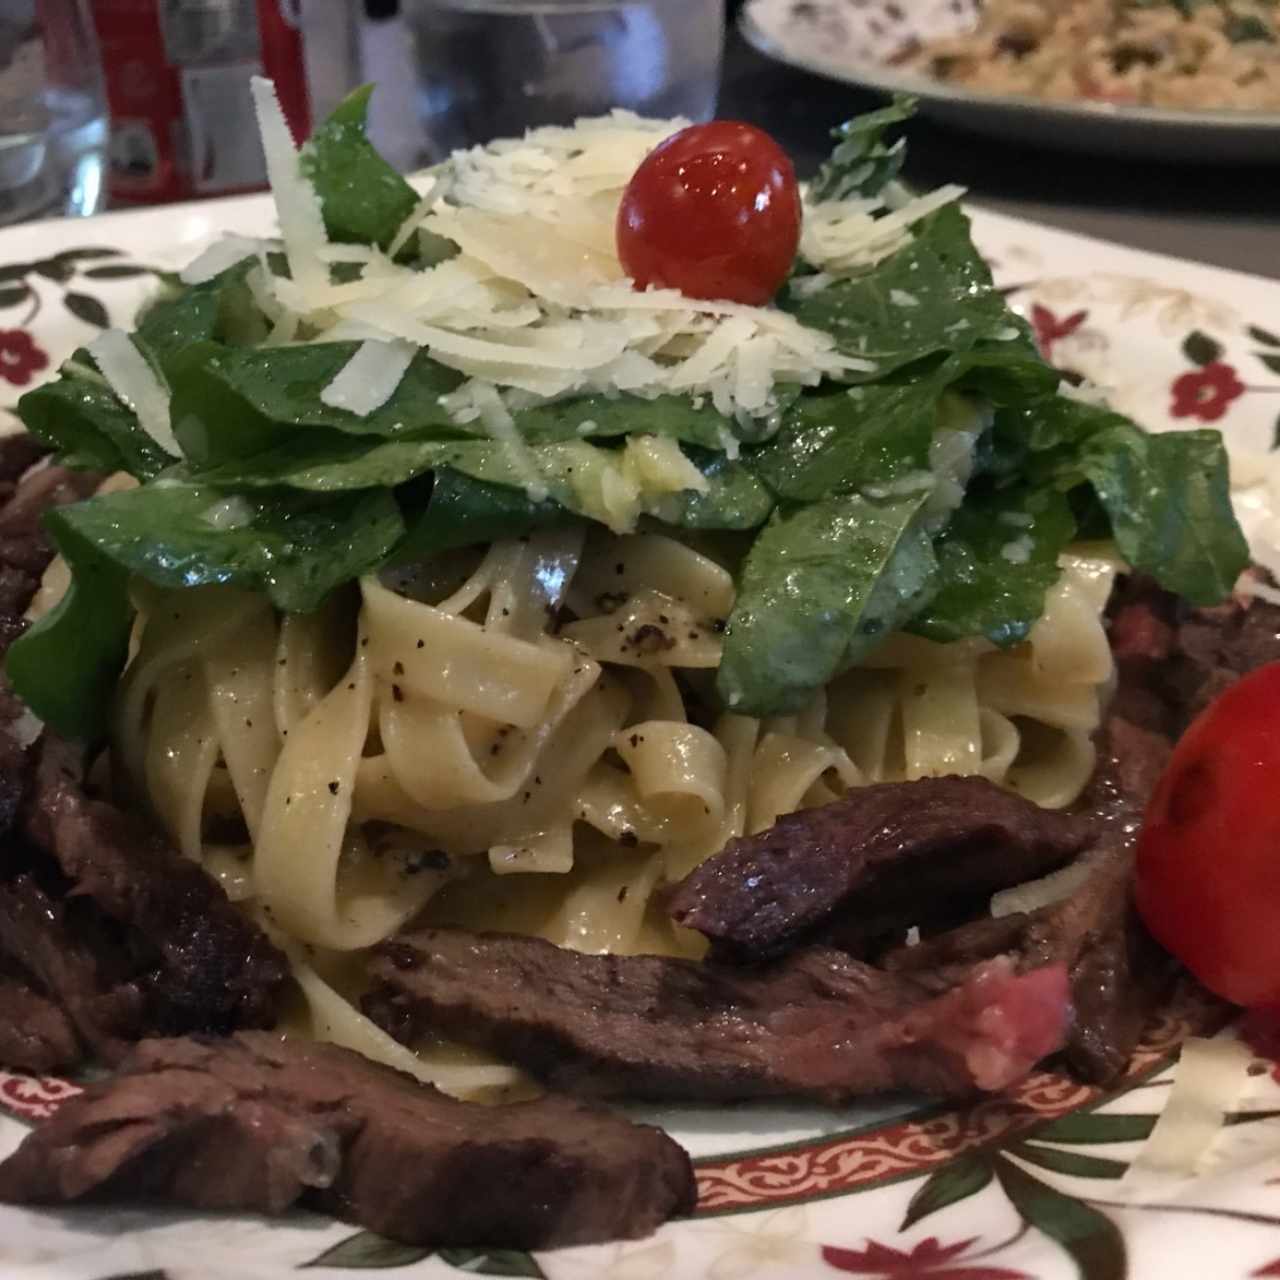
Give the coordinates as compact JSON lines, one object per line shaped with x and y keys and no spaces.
{"x":895,"y":848}
{"x":200,"y":964}
{"x":256,"y":1123}
{"x":817,"y":1024}
{"x":35,"y":1035}
{"x":25,"y":548}
{"x":1117,"y":972}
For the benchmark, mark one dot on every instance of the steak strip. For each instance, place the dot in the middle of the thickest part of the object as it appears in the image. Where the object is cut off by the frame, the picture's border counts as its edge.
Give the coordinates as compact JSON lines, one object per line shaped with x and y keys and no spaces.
{"x":817,"y":1024}
{"x":104,"y":922}
{"x":35,"y":1035}
{"x":201,"y":965}
{"x":893,"y":848}
{"x":257,"y":1124}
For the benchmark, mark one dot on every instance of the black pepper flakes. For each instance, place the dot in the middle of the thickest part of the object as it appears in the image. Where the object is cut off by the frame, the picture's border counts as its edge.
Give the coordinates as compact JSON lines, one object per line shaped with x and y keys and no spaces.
{"x":650,"y":638}
{"x":397,"y":693}
{"x":334,"y":787}
{"x":397,"y":669}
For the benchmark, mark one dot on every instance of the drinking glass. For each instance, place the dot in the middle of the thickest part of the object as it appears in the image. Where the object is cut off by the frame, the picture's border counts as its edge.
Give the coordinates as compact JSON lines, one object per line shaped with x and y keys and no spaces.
{"x":53,"y":118}
{"x":493,"y":68}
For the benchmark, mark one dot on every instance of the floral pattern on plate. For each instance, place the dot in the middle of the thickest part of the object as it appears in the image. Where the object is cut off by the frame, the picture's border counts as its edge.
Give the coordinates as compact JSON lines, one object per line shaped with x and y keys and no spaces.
{"x":1035,"y":1185}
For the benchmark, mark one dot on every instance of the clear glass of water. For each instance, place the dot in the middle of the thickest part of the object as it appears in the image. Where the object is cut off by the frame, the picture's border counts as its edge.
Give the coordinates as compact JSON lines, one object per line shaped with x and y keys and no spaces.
{"x":53,"y":117}
{"x":494,"y":68}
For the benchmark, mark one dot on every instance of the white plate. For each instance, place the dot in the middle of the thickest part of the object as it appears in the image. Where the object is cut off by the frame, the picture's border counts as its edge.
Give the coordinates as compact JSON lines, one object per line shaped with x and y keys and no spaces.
{"x":831,"y":38}
{"x":788,"y":1192}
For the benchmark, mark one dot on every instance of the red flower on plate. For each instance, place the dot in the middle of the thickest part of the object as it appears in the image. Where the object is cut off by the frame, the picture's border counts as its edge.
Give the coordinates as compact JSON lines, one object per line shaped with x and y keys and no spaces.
{"x":929,"y":1260}
{"x":1049,"y":328}
{"x":20,"y":357}
{"x":1206,"y":393}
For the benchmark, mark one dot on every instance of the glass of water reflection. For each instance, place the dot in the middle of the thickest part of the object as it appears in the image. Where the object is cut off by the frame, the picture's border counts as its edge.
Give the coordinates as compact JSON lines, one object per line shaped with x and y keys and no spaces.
{"x":494,"y":68}
{"x":53,"y":119}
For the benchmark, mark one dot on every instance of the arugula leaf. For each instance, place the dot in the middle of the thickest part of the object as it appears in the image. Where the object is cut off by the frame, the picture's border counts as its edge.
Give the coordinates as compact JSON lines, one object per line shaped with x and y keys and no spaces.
{"x":1169,"y":502}
{"x":231,"y":404}
{"x":462,"y":511}
{"x":955,"y":304}
{"x":1050,"y":423}
{"x":821,"y":585}
{"x":675,"y":416}
{"x":860,"y":164}
{"x":219,"y":310}
{"x":293,"y":548}
{"x":734,"y":499}
{"x":849,"y":438}
{"x":90,"y":426}
{"x":996,"y":559}
{"x":66,"y":666}
{"x":874,"y":434}
{"x":328,"y":462}
{"x":364,"y":200}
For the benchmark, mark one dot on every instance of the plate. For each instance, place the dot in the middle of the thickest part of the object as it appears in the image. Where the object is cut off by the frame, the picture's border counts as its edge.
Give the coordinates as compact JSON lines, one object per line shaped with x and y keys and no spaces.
{"x":1035,"y":1185}
{"x":853,"y":40}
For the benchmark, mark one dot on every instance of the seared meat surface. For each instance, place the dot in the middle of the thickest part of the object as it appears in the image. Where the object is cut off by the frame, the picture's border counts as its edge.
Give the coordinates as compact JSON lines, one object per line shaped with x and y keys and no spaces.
{"x":817,"y":1024}
{"x":35,"y":1034}
{"x":896,"y":849}
{"x":103,"y":927}
{"x":257,"y":1123}
{"x":198,"y":962}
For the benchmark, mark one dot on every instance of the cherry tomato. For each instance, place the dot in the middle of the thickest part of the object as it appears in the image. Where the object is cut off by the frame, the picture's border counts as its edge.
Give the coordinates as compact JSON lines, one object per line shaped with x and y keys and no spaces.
{"x":713,"y":211}
{"x":1208,"y":868}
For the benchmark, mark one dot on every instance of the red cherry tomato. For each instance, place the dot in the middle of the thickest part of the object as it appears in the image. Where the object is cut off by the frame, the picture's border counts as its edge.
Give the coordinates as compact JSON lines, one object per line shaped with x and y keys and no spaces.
{"x":713,"y":211}
{"x":1208,"y":872}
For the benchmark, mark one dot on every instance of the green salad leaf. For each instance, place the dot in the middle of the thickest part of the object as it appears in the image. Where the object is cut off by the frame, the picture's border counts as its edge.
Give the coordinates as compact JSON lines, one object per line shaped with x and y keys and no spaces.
{"x":932,"y":491}
{"x":67,"y":664}
{"x":934,"y":295}
{"x":996,"y":559}
{"x":821,"y":585}
{"x":89,"y":425}
{"x":364,"y":200}
{"x":293,"y":549}
{"x":861,"y":165}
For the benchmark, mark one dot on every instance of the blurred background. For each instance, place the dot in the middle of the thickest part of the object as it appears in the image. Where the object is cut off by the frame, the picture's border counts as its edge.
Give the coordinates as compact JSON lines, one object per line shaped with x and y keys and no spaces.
{"x":112,"y":103}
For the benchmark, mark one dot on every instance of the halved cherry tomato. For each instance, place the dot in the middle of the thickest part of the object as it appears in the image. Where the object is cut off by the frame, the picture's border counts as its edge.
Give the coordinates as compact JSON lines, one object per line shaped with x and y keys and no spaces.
{"x":713,"y":211}
{"x":1208,"y":873}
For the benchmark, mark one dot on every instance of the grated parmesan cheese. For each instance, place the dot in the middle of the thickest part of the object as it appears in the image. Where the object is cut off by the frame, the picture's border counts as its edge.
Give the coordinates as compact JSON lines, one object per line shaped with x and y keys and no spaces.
{"x":370,"y":378}
{"x":1211,"y":1075}
{"x":221,"y":254}
{"x":133,"y":379}
{"x":536,"y":304}
{"x":297,"y":205}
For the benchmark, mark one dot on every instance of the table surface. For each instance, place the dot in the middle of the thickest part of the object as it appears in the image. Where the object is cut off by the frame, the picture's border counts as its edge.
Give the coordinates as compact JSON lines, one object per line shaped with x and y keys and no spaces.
{"x":1228,"y":216}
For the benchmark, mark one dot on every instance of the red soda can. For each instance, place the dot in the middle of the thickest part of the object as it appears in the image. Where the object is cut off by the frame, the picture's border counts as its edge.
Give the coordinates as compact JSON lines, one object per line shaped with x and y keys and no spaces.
{"x":177,"y":76}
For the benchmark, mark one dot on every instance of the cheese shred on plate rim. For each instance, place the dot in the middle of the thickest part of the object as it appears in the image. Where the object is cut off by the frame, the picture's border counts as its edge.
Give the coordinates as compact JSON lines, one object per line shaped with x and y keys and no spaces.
{"x":534,"y":302}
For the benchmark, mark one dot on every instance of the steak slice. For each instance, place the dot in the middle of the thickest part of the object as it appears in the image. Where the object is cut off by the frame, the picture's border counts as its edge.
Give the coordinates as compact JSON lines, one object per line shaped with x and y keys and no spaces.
{"x":1117,"y":972}
{"x":163,"y":924}
{"x":889,"y":847}
{"x":257,"y":1123}
{"x":35,"y":1035}
{"x":62,"y":946}
{"x":25,"y":547}
{"x":817,"y":1024}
